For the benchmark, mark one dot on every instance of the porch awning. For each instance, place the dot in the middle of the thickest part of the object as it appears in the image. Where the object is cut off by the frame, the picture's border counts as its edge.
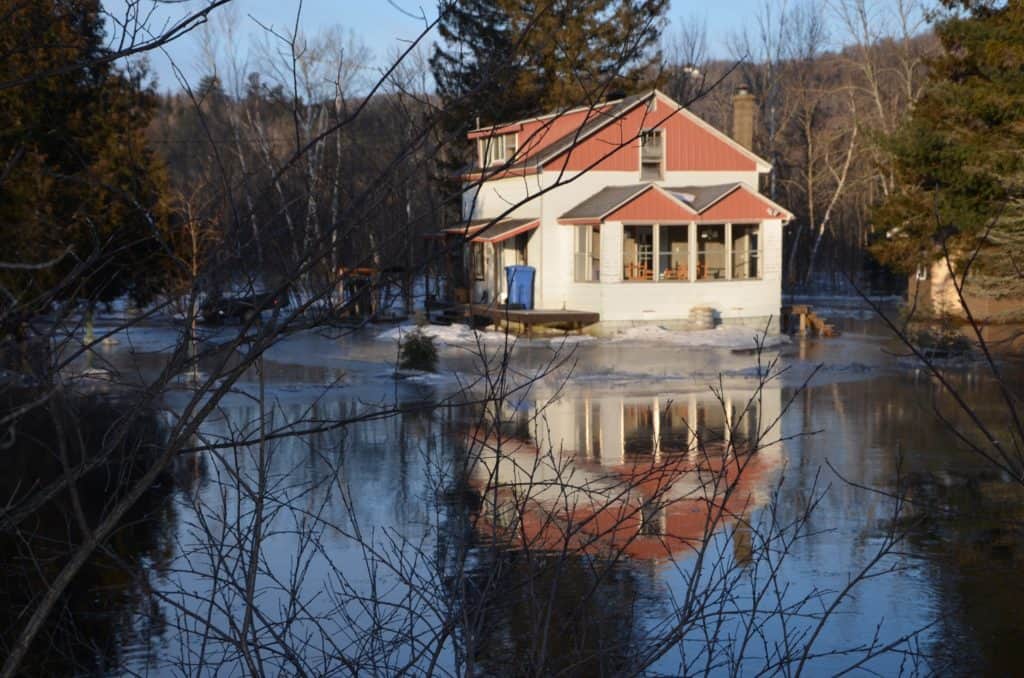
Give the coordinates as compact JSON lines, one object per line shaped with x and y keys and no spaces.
{"x":493,"y":231}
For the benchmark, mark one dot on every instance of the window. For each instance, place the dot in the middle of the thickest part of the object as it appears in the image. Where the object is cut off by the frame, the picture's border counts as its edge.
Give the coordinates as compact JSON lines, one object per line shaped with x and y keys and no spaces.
{"x":711,"y":252}
{"x":638,"y":253}
{"x":746,"y":263}
{"x":674,"y":431}
{"x":673,"y":253}
{"x":478,"y":260}
{"x":588,"y":430}
{"x":710,"y":422}
{"x":587,"y":260}
{"x":652,"y":151}
{"x":638,"y":436}
{"x":744,"y":424}
{"x":498,"y":149}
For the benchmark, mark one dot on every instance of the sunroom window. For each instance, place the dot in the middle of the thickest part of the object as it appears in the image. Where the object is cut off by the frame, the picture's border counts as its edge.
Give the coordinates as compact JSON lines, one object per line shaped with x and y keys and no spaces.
{"x":673,"y":252}
{"x":587,"y":259}
{"x":746,"y":251}
{"x":638,"y":253}
{"x":711,"y":252}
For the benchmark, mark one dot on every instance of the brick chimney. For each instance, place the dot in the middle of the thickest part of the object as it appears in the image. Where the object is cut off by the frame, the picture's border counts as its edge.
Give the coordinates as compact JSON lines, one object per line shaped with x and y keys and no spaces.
{"x":743,"y":106}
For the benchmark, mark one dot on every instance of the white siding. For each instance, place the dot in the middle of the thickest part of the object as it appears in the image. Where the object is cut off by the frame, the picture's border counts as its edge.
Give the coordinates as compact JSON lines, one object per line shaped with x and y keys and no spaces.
{"x":551,"y":248}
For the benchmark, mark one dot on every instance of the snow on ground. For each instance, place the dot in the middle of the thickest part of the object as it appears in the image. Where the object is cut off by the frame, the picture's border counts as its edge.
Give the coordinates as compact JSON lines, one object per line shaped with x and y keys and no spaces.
{"x":720,"y":337}
{"x":454,"y":335}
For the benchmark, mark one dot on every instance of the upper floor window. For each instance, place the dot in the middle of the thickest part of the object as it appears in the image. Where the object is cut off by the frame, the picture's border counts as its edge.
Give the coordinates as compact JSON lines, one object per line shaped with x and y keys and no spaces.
{"x":652,"y":153}
{"x":498,"y":149}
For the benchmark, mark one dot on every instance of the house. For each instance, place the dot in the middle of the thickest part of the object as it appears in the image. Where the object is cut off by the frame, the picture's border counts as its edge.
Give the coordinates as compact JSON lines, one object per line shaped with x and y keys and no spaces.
{"x":638,"y":476}
{"x":931,"y":293}
{"x":634,"y":209}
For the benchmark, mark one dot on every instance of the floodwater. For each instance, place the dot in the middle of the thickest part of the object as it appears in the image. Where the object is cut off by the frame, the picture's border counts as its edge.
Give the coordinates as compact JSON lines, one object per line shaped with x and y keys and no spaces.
{"x":576,"y":534}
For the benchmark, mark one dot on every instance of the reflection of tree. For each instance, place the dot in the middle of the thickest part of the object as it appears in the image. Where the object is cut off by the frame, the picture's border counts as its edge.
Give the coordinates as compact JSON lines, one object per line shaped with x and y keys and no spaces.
{"x":110,"y":606}
{"x":589,"y":628}
{"x":970,"y":531}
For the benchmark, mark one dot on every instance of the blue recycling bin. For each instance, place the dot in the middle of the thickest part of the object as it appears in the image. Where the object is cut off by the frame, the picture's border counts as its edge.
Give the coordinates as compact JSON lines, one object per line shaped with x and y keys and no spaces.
{"x":520,"y":285}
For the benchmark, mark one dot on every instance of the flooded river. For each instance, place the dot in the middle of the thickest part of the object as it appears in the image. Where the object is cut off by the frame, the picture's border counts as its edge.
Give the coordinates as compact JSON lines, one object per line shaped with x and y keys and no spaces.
{"x":636,"y":507}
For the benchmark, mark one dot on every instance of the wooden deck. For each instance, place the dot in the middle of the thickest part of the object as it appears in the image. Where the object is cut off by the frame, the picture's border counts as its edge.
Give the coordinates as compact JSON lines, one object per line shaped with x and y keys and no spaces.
{"x":575,"y":320}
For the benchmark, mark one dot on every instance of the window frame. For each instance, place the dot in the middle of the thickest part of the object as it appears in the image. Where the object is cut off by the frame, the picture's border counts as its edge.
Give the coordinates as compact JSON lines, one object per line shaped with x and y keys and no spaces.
{"x":653,"y":255}
{"x":658,"y":251}
{"x":591,"y":263}
{"x":498,"y":143}
{"x":476,"y":258}
{"x":645,"y":162}
{"x":753,"y":254}
{"x":726,"y":253}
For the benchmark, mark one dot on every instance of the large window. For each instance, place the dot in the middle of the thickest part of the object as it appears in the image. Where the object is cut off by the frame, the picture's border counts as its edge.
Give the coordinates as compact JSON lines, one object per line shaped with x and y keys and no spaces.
{"x":498,"y":149}
{"x":746,"y":245}
{"x":711,"y":252}
{"x":587,"y":259}
{"x":673,"y":253}
{"x":638,"y":253}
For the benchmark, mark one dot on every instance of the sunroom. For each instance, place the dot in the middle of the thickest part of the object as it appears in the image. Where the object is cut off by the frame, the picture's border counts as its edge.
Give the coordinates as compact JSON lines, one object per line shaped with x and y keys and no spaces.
{"x":650,"y":253}
{"x":646,"y":233}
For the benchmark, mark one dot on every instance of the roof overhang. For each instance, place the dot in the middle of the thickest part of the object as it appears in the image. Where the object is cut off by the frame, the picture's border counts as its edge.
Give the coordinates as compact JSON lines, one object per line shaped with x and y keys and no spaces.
{"x":489,"y":230}
{"x":651,"y":202}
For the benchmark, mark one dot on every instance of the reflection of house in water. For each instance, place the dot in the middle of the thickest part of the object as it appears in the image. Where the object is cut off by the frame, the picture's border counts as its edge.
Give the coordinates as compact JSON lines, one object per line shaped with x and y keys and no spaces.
{"x":651,"y":476}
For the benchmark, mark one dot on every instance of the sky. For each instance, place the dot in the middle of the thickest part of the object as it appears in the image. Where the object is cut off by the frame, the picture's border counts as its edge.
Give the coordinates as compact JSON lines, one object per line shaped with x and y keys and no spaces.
{"x":383,"y":25}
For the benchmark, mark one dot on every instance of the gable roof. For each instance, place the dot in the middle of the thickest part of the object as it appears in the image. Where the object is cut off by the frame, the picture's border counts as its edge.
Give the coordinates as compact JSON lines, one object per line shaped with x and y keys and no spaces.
{"x":697,"y":200}
{"x":603,"y":202}
{"x":596,"y":118}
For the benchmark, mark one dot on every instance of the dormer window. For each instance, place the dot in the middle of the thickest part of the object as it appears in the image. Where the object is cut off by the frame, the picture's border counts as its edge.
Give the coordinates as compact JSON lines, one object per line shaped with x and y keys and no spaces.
{"x":498,"y":149}
{"x":652,"y":153}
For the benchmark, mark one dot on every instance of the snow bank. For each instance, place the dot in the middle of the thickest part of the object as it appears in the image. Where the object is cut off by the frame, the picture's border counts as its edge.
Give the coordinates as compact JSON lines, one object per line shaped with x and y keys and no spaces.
{"x":721,"y":337}
{"x":455,"y":334}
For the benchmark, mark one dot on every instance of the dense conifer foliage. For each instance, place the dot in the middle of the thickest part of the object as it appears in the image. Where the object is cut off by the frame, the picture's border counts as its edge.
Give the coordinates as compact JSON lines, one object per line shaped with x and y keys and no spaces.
{"x":505,"y":59}
{"x":79,"y":188}
{"x":960,"y":152}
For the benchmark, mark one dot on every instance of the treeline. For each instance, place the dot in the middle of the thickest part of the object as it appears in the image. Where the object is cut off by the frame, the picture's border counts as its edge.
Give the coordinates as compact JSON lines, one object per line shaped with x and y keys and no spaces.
{"x":260,"y":175}
{"x":309,"y":154}
{"x":823,"y":121}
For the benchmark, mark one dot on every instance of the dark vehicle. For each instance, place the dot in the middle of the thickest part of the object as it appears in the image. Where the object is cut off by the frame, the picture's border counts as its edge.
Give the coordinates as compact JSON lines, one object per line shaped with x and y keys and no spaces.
{"x":243,"y":308}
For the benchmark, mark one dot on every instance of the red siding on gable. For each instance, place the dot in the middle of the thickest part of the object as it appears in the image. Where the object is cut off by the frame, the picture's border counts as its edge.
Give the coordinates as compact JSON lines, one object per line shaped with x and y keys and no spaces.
{"x":613,"y":148}
{"x":689,"y":146}
{"x":536,"y":135}
{"x":740,"y":205}
{"x":692,"y":147}
{"x":652,"y":205}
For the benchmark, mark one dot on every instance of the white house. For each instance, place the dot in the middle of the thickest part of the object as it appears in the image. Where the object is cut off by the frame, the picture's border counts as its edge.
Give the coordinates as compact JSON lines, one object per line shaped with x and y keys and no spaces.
{"x":634,"y":209}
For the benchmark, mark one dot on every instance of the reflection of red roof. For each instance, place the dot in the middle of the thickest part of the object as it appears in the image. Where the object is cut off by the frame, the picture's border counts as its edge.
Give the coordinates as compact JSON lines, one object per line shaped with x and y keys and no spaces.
{"x":682,"y":501}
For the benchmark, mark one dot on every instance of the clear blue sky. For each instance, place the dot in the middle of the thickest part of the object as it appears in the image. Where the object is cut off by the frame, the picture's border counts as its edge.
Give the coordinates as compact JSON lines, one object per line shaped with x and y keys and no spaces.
{"x":384,"y":25}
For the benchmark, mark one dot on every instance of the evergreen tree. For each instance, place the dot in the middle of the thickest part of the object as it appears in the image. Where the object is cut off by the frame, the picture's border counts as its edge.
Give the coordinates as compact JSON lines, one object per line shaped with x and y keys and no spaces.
{"x":959,"y":156}
{"x":506,"y":59}
{"x":79,"y":184}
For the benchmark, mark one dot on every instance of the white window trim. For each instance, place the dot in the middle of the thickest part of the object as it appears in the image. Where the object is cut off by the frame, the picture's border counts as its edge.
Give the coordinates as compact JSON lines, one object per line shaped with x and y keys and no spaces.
{"x":662,"y":160}
{"x":491,"y":146}
{"x":589,"y":253}
{"x":656,"y":248}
